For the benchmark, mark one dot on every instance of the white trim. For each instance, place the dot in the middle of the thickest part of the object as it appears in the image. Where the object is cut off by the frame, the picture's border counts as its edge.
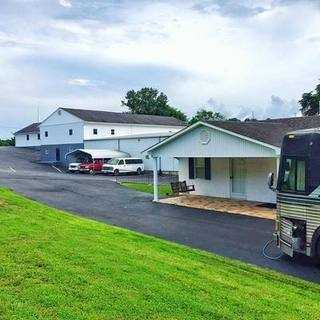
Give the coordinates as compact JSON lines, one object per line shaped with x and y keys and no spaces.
{"x":133,"y":124}
{"x":181,"y":132}
{"x":134,"y":136}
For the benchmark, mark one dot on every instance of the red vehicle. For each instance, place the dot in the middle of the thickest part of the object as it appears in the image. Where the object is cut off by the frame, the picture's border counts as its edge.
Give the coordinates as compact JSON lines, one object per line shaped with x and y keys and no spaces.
{"x":92,"y":167}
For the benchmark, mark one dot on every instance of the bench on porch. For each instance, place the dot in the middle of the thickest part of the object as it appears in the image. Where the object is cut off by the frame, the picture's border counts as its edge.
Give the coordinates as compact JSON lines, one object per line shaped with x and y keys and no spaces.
{"x":181,"y":187}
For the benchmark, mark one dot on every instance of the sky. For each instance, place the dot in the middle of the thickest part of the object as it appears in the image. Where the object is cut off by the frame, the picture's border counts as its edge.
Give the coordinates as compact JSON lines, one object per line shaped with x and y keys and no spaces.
{"x":238,"y":57}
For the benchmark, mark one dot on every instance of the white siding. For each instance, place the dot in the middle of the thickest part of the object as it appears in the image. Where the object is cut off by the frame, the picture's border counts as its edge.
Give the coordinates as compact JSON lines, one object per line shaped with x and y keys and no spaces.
{"x":60,"y":117}
{"x":59,"y":134}
{"x":104,"y":129}
{"x":57,"y":125}
{"x":220,"y":184}
{"x":21,"y":140}
{"x":134,"y":146}
{"x":221,"y":145}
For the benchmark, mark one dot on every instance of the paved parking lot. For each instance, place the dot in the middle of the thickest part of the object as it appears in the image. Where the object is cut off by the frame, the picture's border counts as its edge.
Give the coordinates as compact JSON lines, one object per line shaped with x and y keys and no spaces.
{"x":98,"y":197}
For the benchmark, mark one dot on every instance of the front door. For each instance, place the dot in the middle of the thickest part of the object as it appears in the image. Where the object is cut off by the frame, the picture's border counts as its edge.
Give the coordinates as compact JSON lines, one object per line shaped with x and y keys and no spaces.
{"x":238,"y":178}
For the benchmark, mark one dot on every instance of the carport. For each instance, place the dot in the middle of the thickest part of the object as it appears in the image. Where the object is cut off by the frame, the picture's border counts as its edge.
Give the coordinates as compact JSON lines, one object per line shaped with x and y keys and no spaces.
{"x":84,"y":155}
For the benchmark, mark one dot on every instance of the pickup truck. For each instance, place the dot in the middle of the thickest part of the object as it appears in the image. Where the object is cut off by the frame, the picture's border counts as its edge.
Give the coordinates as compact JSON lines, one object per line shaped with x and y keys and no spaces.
{"x":92,"y":167}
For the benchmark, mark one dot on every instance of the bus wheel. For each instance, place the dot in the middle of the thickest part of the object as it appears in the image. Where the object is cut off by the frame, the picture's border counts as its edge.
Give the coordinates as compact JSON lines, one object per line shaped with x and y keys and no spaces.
{"x":316,"y":257}
{"x":92,"y":172}
{"x":116,"y":172}
{"x":139,"y":171}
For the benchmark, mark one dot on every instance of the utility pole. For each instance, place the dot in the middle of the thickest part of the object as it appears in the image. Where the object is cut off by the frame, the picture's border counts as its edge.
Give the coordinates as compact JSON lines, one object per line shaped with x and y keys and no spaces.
{"x":38,"y":114}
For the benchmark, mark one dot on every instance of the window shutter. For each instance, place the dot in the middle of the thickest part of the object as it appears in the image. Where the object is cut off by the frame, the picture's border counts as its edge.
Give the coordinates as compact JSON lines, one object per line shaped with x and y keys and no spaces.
{"x":207,"y":168}
{"x":191,"y":168}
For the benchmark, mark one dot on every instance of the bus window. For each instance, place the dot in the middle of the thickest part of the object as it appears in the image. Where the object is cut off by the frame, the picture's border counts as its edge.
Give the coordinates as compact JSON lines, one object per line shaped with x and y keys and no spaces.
{"x":289,"y":175}
{"x":294,"y":176}
{"x":301,"y":175}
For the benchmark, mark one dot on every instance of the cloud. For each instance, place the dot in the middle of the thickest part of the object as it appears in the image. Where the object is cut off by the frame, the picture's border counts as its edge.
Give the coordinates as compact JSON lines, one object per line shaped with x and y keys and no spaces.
{"x":78,"y":82}
{"x":239,"y":53}
{"x":233,"y":8}
{"x":65,"y":3}
{"x":279,"y":107}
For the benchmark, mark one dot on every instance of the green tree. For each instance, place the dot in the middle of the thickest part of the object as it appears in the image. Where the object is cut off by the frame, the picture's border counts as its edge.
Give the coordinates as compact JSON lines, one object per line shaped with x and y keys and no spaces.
{"x":150,"y":101}
{"x":310,"y":102}
{"x":7,"y":142}
{"x":206,"y":115}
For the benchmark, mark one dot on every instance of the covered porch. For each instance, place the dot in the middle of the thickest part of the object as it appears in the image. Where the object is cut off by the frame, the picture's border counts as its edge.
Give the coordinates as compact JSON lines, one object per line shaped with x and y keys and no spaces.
{"x":220,"y":164}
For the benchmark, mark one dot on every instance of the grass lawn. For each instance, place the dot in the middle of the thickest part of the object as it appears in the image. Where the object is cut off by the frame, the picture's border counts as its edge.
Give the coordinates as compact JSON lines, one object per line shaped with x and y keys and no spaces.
{"x":55,"y":265}
{"x":164,"y":189}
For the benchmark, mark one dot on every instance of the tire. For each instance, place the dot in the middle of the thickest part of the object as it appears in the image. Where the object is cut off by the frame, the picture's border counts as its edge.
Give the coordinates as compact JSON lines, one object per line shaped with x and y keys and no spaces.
{"x":139,"y":171}
{"x":116,"y":172}
{"x":92,"y":172}
{"x":316,"y":257}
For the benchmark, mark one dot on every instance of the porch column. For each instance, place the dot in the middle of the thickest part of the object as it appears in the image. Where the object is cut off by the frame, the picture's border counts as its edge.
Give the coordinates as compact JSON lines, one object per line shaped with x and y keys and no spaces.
{"x":155,"y":180}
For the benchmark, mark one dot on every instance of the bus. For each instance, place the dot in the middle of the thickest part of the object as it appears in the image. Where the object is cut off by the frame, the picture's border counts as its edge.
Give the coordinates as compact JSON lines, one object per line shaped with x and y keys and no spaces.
{"x":298,"y":194}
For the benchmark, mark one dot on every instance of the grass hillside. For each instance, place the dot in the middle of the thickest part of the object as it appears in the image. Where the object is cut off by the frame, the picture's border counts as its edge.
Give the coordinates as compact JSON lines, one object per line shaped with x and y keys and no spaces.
{"x":55,"y":265}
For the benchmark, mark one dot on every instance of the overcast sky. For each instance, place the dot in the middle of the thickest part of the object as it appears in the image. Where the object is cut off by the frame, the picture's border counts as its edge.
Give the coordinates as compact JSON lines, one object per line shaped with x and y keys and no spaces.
{"x":232,"y":56}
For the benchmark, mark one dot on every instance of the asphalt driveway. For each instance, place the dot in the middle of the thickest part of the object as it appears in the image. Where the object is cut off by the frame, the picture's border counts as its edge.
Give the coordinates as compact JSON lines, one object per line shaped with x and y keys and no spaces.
{"x":98,"y":197}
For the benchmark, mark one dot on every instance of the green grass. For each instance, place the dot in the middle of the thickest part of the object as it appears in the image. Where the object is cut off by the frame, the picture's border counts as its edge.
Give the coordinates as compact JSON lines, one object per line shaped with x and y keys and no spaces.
{"x":164,"y":189}
{"x":55,"y":265}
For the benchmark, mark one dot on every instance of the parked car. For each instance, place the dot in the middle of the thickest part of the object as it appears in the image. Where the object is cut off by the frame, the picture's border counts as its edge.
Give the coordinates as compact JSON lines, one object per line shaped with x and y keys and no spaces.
{"x":123,"y":165}
{"x":92,"y":167}
{"x":74,"y":167}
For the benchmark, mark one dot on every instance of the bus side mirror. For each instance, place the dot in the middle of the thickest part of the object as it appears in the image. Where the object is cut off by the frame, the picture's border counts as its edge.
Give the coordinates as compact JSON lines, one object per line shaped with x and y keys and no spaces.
{"x":271,"y":181}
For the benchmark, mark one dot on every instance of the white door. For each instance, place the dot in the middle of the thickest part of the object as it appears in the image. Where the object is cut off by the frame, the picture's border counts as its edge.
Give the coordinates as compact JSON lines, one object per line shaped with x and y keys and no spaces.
{"x":238,"y":178}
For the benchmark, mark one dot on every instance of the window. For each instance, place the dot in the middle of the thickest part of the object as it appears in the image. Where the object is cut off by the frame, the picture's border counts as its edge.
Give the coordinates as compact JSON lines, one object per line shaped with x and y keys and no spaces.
{"x":133,"y":161}
{"x":121,"y":162}
{"x":199,"y":166}
{"x":294,"y":175}
{"x":39,"y":137}
{"x":46,"y":134}
{"x":70,"y":132}
{"x":28,"y":137}
{"x":112,"y":132}
{"x":95,"y":131}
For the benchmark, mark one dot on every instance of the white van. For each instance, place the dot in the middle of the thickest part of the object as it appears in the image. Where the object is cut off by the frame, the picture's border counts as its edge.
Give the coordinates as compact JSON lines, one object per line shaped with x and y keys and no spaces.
{"x":123,"y":165}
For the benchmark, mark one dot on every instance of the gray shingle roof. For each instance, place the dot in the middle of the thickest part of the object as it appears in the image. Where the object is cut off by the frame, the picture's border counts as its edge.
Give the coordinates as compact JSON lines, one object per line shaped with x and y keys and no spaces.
{"x":269,"y":131}
{"x":32,"y":128}
{"x":116,"y":117}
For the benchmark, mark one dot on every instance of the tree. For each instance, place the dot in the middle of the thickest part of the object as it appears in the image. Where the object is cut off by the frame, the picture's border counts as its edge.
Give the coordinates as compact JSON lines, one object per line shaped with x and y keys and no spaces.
{"x":310,"y":102}
{"x":150,"y":101}
{"x":7,"y":142}
{"x":206,"y":115}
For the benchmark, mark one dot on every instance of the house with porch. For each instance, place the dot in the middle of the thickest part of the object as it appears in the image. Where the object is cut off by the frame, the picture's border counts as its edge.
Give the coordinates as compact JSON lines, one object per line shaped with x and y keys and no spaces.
{"x":229,"y":159}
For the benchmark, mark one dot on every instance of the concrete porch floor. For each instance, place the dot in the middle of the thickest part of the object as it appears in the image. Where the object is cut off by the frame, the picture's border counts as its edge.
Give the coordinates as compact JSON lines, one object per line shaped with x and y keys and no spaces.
{"x":248,"y":208}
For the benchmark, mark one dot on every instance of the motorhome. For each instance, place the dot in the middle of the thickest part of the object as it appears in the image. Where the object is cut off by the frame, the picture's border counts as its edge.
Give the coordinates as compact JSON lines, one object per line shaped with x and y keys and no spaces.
{"x":298,"y":194}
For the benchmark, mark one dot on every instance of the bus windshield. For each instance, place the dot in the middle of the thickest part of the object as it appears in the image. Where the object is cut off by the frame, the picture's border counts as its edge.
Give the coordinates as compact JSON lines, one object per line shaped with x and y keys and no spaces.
{"x":294,"y":175}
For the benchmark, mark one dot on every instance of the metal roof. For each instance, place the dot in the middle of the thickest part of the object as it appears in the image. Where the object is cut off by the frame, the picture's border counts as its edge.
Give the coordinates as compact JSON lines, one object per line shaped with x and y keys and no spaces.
{"x":31,"y":128}
{"x":128,"y":118}
{"x":100,"y":154}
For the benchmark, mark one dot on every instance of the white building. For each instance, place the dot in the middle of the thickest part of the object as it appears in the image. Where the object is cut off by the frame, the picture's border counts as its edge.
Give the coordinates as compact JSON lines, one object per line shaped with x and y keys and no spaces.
{"x":68,"y":129}
{"x":229,"y":159}
{"x":135,"y":144}
{"x":28,"y":137}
